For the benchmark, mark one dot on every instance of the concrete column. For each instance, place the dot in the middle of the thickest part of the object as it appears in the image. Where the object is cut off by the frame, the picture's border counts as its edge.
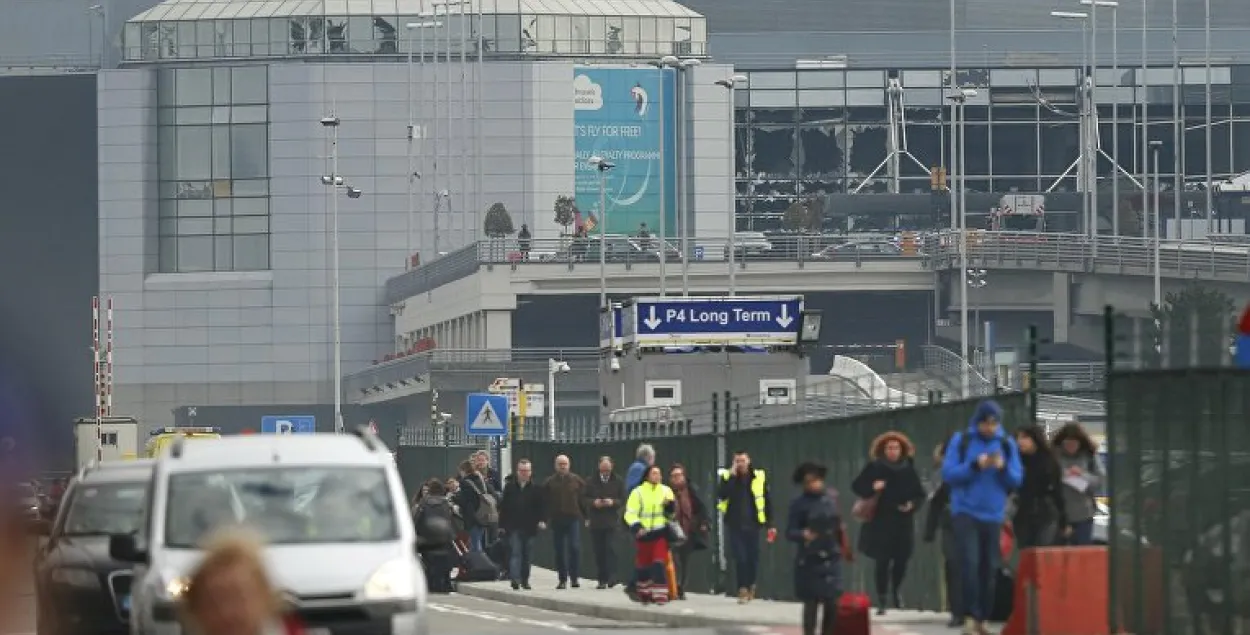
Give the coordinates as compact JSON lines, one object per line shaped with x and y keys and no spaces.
{"x":497,"y":329}
{"x":1061,"y":291}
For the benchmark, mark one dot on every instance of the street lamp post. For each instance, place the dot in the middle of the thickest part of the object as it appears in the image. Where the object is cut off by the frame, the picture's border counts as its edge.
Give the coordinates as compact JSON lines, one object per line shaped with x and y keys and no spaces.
{"x":731,"y":226}
{"x":683,"y":156}
{"x":413,"y":173}
{"x":1206,"y":45}
{"x":660,"y":65}
{"x":977,"y":280}
{"x":1178,"y":152}
{"x":603,"y":165}
{"x":1114,"y":5}
{"x":1084,"y":171}
{"x":960,"y":98}
{"x":335,"y":182}
{"x":554,"y":367}
{"x":1155,"y":146}
{"x":102,"y":11}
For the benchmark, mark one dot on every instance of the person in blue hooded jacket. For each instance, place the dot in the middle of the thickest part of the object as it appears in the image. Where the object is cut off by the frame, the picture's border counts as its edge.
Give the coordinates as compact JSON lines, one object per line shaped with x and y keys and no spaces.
{"x":982,"y":466}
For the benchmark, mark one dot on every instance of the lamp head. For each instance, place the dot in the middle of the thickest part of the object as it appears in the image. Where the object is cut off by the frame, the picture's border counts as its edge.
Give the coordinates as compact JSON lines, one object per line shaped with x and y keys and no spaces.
{"x":330,"y":122}
{"x":354,"y":192}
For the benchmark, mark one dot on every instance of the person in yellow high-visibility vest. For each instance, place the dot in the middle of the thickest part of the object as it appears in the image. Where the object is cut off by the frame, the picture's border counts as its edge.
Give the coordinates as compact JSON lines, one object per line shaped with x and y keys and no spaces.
{"x":745,"y":504}
{"x":647,"y":513}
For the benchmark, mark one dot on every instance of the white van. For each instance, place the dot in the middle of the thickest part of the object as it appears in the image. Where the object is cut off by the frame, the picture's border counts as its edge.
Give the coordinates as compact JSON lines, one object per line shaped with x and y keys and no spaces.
{"x":339,"y":541}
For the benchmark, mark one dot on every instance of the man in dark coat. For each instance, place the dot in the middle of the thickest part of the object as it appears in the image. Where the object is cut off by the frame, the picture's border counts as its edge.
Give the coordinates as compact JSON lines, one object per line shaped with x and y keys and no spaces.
{"x":890,"y":478}
{"x":521,"y":517}
{"x":564,"y":512}
{"x":604,"y":498}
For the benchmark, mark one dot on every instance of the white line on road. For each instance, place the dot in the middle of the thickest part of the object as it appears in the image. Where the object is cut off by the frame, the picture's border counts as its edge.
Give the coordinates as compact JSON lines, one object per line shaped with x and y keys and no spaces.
{"x":496,"y":617}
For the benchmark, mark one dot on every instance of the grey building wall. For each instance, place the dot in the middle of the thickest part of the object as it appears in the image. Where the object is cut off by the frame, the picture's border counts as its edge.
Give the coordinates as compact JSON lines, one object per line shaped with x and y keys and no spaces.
{"x":265,"y":337}
{"x":899,"y":16}
{"x":47,"y":254}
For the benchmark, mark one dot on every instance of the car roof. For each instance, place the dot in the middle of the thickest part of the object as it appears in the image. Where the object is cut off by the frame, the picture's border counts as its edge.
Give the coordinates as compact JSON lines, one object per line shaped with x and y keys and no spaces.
{"x":119,"y":472}
{"x":273,"y":449}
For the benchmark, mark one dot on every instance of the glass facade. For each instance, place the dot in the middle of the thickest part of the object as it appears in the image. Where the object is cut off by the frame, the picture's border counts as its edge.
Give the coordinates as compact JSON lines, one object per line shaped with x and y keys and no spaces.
{"x":213,"y":135}
{"x":508,"y":28}
{"x":802,"y":133}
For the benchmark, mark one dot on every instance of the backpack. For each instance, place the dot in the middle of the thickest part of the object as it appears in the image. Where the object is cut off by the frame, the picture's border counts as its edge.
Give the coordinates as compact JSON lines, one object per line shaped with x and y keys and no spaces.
{"x":487,"y":512}
{"x":965,"y":440}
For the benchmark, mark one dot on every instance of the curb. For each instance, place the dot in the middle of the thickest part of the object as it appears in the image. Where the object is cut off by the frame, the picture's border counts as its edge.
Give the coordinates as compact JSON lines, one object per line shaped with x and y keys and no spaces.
{"x":671,"y":615}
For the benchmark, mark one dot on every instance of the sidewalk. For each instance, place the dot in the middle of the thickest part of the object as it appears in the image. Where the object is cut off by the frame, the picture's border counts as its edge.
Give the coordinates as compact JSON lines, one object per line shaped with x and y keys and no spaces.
{"x":697,"y":611}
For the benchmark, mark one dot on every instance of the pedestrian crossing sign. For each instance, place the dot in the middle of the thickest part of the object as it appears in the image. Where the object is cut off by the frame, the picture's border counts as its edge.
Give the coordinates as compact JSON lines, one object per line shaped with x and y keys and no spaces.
{"x":486,"y":414}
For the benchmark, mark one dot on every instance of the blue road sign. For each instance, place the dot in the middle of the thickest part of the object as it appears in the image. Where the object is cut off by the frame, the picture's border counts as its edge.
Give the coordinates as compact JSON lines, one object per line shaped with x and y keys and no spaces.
{"x":713,"y":321}
{"x":698,"y":252}
{"x":486,"y":414}
{"x":288,"y":424}
{"x":610,"y":326}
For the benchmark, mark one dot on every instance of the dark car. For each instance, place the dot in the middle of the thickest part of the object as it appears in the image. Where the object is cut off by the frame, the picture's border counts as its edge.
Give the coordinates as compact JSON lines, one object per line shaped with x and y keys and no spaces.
{"x":79,"y":589}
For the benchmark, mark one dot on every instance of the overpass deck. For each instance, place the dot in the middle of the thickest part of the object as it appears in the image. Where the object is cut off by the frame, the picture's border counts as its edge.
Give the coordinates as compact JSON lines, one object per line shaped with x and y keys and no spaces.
{"x":803,"y":264}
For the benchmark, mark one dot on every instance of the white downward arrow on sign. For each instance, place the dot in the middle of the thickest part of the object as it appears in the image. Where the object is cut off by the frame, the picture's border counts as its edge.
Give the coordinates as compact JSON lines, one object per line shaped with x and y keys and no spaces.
{"x":784,"y":319}
{"x":652,"y":321}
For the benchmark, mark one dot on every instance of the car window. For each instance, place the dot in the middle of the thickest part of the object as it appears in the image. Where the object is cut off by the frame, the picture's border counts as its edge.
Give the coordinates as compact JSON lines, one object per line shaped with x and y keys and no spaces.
{"x":106,"y":508}
{"x":287,"y":505}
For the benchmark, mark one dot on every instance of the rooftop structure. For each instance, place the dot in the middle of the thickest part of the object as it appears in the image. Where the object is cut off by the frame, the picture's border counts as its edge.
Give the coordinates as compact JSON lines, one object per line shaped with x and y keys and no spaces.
{"x":506,"y":29}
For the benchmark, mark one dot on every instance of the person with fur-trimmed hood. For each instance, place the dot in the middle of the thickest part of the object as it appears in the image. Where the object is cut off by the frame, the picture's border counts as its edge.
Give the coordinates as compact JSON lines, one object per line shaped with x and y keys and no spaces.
{"x":891,"y":479}
{"x":1082,"y":476}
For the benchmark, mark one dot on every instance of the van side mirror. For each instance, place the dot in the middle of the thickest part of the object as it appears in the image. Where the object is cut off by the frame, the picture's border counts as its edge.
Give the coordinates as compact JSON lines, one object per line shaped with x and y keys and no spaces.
{"x":124,"y":548}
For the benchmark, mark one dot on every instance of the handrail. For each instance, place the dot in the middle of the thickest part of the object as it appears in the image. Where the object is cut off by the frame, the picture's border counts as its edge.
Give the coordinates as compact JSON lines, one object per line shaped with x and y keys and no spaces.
{"x":568,"y":251}
{"x":941,"y":362}
{"x":1123,"y":255}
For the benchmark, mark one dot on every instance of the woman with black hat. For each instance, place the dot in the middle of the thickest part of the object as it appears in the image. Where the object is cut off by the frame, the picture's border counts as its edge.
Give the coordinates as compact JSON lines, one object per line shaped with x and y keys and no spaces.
{"x":816,"y":528}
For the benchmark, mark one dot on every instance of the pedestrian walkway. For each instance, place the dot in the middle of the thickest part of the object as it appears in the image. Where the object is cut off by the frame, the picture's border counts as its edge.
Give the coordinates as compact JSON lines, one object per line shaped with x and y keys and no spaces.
{"x":697,"y":611}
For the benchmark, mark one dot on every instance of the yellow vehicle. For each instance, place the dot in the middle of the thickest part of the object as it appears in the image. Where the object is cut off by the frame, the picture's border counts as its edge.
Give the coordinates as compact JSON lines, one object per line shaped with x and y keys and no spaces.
{"x":161,"y":438}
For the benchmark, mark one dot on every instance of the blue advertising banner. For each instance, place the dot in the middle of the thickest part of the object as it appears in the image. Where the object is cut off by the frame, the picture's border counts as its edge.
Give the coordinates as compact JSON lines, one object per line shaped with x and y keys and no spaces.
{"x":617,"y":115}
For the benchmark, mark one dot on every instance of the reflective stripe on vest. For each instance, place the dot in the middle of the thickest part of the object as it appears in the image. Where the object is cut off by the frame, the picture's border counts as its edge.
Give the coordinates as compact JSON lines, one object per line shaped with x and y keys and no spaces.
{"x":646,"y":506}
{"x":757,"y":490}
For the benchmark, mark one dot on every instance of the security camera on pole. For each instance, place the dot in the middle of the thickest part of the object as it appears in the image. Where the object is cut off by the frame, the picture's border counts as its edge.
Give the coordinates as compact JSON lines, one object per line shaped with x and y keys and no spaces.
{"x":335,"y":182}
{"x":960,"y":98}
{"x":603,"y":165}
{"x":554,"y":367}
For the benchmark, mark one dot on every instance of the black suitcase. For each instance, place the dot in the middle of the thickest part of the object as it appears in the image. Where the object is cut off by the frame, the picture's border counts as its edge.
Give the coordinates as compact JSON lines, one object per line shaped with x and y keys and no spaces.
{"x":476,"y":566}
{"x":1004,"y":595}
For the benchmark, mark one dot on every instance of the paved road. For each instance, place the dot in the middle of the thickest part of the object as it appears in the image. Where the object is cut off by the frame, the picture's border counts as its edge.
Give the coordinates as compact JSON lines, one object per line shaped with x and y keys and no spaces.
{"x":457,"y":614}
{"x":449,"y":615}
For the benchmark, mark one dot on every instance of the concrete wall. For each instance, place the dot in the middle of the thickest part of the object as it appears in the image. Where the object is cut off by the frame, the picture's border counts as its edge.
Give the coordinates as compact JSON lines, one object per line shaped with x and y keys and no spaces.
{"x":698,"y":376}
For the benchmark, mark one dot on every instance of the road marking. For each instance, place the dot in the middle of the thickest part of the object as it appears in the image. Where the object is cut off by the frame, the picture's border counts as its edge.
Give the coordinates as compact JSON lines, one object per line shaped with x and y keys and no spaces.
{"x":496,"y":617}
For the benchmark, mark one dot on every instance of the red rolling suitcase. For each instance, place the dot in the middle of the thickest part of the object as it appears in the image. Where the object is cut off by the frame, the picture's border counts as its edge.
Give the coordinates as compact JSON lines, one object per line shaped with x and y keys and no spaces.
{"x":853,"y":616}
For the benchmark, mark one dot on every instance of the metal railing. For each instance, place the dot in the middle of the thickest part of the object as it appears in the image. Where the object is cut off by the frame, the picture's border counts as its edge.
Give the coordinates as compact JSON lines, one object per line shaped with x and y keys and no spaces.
{"x":571,"y":251}
{"x":514,"y":355}
{"x":942,"y":362}
{"x":1196,"y":259}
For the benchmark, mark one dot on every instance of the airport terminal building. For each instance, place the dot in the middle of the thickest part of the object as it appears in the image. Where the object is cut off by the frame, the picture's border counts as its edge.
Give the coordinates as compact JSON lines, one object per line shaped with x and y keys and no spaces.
{"x":218,"y":235}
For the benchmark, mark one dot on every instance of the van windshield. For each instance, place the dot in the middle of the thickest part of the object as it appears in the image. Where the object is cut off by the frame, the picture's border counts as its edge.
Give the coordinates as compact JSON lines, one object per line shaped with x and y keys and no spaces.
{"x":286,"y":505}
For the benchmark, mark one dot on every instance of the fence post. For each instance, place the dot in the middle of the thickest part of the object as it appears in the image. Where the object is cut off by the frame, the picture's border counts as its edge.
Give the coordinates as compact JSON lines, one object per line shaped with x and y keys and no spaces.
{"x":1030,"y":386}
{"x":1113,"y":529}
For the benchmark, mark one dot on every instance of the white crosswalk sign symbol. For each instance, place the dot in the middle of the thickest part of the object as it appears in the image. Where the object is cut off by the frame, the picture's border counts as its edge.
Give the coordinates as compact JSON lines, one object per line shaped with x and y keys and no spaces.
{"x":486,"y":419}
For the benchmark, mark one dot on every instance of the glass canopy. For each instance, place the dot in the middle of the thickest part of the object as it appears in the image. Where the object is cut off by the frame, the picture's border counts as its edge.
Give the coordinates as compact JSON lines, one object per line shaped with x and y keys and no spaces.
{"x":212,"y":29}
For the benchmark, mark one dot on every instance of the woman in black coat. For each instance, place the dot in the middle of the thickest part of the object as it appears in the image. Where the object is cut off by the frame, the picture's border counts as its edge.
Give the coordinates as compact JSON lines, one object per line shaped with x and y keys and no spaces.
{"x":891,"y":479}
{"x":1039,"y":519}
{"x":815,"y":527}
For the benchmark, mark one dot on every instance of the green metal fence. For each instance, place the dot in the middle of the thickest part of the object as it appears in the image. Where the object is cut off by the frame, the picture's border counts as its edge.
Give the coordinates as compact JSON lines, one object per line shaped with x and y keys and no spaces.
{"x":840,"y":443}
{"x":1180,"y":490}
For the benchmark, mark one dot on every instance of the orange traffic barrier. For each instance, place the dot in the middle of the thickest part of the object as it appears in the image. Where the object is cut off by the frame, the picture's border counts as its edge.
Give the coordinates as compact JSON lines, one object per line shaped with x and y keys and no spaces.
{"x":1060,"y":591}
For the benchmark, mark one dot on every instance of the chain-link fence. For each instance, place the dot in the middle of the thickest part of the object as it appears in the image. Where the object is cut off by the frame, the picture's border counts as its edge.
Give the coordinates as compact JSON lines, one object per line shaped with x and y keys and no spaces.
{"x":841,"y":443}
{"x":1179,"y":464}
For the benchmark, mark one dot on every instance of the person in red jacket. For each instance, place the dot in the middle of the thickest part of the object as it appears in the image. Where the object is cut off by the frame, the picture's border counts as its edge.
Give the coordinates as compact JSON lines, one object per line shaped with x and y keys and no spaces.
{"x":230,"y":592}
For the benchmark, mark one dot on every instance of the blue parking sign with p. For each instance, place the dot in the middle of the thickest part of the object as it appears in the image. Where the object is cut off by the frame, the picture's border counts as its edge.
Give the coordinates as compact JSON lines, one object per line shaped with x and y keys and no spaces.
{"x":288,"y":424}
